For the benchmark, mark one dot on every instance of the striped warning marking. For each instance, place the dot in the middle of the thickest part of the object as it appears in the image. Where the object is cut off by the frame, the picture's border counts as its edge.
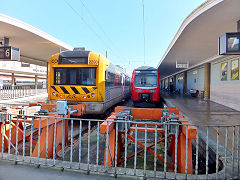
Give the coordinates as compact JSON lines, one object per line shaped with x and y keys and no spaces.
{"x":54,"y":88}
{"x":85,"y":90}
{"x":73,"y":89}
{"x":64,"y":90}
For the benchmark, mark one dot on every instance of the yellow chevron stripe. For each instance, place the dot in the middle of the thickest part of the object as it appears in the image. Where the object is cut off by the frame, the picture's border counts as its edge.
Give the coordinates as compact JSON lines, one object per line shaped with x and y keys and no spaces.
{"x":80,"y":90}
{"x":69,"y":89}
{"x":91,"y":89}
{"x":59,"y":89}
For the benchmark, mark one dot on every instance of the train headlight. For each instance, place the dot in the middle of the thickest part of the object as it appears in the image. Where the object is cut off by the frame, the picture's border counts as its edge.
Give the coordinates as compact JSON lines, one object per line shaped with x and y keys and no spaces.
{"x":138,"y":90}
{"x":93,"y":95}
{"x":54,"y":93}
{"x":152,"y":90}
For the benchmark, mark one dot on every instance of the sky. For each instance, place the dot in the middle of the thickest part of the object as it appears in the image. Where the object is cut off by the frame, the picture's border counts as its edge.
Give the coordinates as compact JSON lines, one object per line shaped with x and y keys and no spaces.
{"x":115,"y":26}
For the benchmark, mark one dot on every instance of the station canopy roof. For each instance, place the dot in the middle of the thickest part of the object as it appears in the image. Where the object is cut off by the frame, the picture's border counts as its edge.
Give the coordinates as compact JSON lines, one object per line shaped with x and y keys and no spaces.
{"x":196,"y":41}
{"x":36,"y":46}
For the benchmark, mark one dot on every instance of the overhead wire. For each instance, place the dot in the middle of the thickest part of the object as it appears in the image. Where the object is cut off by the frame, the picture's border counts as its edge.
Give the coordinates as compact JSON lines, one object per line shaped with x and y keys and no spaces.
{"x":97,"y":35}
{"x":101,"y":28}
{"x":144,"y":36}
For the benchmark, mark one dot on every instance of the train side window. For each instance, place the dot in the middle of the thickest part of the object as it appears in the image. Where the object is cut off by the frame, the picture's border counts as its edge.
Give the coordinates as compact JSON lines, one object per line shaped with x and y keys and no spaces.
{"x":106,"y":77}
{"x":110,"y":79}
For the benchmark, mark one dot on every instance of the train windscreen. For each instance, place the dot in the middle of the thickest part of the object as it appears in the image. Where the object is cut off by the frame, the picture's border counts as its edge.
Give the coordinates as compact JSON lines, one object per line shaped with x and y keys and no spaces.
{"x":145,"y":79}
{"x":75,"y":76}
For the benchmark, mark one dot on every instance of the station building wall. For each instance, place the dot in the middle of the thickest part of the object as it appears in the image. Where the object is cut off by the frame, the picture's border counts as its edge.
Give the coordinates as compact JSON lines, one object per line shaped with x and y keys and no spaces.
{"x":166,"y":83}
{"x":179,"y":82}
{"x":162,"y":83}
{"x":195,"y":79}
{"x":225,"y":91}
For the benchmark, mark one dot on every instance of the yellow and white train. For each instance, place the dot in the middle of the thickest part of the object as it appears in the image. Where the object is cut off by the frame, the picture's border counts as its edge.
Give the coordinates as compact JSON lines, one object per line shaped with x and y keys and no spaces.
{"x":85,"y":77}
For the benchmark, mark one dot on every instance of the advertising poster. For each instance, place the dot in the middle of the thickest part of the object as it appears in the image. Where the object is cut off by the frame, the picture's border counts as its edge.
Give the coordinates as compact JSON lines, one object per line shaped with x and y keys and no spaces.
{"x":224,"y":71}
{"x":235,"y":70}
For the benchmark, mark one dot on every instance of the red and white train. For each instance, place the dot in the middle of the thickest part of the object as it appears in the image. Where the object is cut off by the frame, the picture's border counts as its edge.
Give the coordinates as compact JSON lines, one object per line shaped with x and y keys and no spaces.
{"x":146,"y":85}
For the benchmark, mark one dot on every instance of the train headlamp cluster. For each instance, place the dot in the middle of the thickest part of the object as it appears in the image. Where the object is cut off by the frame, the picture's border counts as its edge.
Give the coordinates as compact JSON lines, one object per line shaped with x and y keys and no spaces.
{"x":84,"y":97}
{"x":138,"y":90}
{"x":152,"y":90}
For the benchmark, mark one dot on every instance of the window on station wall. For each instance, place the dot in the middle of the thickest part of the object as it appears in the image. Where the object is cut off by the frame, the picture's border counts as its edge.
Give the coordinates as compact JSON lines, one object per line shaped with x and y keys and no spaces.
{"x":179,"y":79}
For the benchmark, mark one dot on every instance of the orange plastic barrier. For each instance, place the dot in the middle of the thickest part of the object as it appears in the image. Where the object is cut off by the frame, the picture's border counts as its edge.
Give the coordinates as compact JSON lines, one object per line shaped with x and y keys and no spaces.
{"x":152,"y":114}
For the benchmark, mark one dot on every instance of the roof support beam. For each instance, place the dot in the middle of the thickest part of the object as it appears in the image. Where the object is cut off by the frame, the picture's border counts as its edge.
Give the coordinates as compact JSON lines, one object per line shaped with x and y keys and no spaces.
{"x":238,"y":26}
{"x":6,"y":41}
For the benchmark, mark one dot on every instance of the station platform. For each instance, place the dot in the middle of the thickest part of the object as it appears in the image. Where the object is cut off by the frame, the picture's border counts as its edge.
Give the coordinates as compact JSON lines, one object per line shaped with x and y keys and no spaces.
{"x":22,"y":172}
{"x":212,"y":117}
{"x":202,"y":112}
{"x":43,"y":97}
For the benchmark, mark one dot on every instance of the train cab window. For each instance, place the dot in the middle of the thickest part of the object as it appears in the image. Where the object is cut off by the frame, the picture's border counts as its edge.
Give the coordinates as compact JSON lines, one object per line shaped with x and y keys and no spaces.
{"x":146,"y":79}
{"x":75,"y":76}
{"x":60,"y":76}
{"x":87,"y":76}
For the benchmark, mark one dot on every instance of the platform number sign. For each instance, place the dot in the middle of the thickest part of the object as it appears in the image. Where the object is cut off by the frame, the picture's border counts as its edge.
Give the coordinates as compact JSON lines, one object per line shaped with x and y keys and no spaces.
{"x":5,"y":52}
{"x":9,"y":53}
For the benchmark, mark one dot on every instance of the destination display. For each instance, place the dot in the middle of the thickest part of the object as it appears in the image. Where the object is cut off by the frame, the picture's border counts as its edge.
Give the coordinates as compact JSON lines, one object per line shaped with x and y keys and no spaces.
{"x":182,"y":65}
{"x":9,"y":53}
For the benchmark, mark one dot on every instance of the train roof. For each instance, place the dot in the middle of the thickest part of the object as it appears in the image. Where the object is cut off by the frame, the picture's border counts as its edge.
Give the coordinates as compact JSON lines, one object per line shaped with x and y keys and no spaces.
{"x":146,"y":68}
{"x":77,"y":52}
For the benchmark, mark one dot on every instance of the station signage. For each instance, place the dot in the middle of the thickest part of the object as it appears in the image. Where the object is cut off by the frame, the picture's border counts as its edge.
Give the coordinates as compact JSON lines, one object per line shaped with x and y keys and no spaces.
{"x":229,"y":44}
{"x":182,"y":65}
{"x":9,"y":53}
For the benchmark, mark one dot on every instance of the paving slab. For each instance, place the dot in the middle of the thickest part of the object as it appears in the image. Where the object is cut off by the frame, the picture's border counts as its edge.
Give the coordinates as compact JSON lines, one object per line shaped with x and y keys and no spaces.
{"x":9,"y":171}
{"x":204,"y":112}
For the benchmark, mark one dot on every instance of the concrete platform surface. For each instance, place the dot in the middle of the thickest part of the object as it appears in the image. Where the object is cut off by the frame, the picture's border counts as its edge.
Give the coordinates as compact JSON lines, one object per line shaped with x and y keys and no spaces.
{"x":10,"y":171}
{"x":202,"y":112}
{"x":25,"y":100}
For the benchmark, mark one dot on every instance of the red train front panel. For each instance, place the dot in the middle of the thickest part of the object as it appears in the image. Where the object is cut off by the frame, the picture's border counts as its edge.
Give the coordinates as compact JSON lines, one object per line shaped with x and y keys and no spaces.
{"x":145,"y":85}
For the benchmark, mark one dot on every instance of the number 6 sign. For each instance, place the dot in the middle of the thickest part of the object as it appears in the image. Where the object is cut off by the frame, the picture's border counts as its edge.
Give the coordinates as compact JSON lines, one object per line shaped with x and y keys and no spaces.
{"x":7,"y":53}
